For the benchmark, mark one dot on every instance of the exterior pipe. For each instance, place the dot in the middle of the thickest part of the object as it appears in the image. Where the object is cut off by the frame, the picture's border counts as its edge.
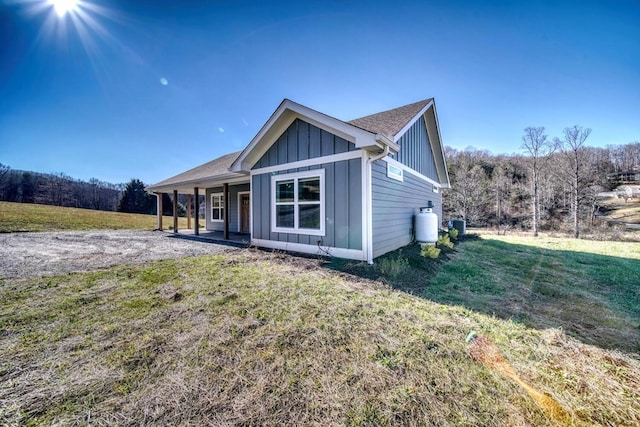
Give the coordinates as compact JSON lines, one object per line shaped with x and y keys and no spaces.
{"x":369,"y":215}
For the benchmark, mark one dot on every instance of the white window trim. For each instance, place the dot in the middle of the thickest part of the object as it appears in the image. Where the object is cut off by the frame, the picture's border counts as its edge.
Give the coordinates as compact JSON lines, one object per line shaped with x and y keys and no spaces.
{"x":296,"y":229}
{"x":395,"y":172}
{"x":221,"y":207}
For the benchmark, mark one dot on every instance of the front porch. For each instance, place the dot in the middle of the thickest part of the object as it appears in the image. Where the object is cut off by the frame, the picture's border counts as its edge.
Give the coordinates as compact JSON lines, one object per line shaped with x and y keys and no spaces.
{"x":234,"y":239}
{"x":225,"y":209}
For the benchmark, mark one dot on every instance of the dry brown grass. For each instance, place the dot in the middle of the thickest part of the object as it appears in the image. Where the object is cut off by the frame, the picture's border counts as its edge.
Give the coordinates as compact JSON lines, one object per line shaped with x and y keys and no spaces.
{"x":620,"y":210}
{"x":252,"y":338}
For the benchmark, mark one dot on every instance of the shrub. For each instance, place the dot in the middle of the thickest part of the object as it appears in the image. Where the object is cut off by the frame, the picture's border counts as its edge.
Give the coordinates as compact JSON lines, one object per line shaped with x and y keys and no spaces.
{"x":393,"y":267}
{"x":453,"y":233}
{"x":429,"y":251}
{"x":444,"y":241}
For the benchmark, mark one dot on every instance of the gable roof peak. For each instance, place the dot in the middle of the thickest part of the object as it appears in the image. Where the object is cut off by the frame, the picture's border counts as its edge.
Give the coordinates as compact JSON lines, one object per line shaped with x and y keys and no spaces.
{"x":390,"y":122}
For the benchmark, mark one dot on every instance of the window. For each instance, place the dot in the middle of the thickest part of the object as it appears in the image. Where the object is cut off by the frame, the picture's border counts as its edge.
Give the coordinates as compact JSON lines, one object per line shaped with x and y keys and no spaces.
{"x":217,"y":207}
{"x":298,"y":203}
{"x":394,"y":172}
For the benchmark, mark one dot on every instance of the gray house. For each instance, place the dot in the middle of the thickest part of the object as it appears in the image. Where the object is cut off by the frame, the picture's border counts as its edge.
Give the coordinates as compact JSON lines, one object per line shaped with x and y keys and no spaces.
{"x":311,"y":183}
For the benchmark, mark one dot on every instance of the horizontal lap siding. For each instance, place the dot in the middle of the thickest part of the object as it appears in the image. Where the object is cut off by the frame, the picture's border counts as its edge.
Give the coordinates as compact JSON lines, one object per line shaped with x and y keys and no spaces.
{"x":394,"y":205}
{"x":415,"y":150}
{"x":343,"y":206}
{"x":302,"y":141}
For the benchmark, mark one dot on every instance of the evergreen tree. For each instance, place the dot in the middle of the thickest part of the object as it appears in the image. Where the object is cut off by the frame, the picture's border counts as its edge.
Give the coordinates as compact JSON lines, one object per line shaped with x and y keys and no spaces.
{"x":136,"y":200}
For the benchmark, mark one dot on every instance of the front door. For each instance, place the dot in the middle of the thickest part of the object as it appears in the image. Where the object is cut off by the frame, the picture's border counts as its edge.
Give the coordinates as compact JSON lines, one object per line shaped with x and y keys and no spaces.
{"x":245,"y":210}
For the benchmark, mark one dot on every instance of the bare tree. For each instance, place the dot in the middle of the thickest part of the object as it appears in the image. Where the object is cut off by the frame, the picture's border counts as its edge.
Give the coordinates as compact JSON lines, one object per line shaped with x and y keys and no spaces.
{"x":534,"y":141}
{"x":577,"y":169}
{"x":469,"y":195}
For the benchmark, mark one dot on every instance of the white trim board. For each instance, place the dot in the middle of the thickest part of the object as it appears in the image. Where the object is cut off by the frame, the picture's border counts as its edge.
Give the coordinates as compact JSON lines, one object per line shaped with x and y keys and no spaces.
{"x":406,"y":168}
{"x":366,"y":207}
{"x":347,"y":155}
{"x":355,"y":254}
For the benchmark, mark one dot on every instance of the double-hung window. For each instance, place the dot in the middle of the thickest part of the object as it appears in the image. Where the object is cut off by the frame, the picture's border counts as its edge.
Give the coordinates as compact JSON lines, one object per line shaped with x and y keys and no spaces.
{"x":217,"y":207}
{"x":298,"y":203}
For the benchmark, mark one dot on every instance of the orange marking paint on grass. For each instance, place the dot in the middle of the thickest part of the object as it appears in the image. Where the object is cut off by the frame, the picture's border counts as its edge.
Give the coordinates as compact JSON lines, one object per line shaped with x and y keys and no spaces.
{"x":484,"y":351}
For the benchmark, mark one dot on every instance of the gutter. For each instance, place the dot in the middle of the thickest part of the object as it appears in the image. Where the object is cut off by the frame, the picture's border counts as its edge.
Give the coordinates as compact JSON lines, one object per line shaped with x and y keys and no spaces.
{"x":387,"y":142}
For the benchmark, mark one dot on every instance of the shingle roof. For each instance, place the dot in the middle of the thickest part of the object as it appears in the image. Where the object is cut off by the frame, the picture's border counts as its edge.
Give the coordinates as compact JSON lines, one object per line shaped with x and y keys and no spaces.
{"x":217,"y":166}
{"x":387,"y":123}
{"x":390,"y":122}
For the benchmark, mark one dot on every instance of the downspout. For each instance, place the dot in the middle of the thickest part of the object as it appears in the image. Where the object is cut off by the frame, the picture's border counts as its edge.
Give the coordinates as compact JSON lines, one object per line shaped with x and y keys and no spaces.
{"x":370,"y":161}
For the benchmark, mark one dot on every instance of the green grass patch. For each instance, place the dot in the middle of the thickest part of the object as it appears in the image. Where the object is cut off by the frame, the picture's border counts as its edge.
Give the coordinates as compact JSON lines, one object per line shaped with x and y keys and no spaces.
{"x":253,"y":338}
{"x":32,"y":217}
{"x":591,"y":289}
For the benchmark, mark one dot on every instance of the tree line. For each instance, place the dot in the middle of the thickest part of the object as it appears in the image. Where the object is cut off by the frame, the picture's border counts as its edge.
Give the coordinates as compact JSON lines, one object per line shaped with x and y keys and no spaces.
{"x":551,"y":184}
{"x":60,"y":189}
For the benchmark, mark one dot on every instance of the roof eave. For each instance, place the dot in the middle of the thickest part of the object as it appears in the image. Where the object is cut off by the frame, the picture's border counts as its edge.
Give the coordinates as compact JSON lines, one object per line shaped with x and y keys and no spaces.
{"x":187,"y":185}
{"x":441,"y":166}
{"x":383,"y":141}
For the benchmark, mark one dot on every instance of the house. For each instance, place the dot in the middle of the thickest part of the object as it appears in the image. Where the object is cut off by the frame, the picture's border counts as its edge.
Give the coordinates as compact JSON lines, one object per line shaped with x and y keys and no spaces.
{"x":311,"y":183}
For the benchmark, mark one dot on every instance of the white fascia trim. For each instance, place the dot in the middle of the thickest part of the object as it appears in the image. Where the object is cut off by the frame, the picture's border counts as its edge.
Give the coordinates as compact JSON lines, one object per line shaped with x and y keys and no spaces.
{"x":406,"y":168}
{"x":348,"y":155}
{"x":444,"y":160}
{"x":355,"y":254}
{"x":412,"y":121}
{"x":186,"y":187}
{"x":291,"y":111}
{"x":393,"y":146}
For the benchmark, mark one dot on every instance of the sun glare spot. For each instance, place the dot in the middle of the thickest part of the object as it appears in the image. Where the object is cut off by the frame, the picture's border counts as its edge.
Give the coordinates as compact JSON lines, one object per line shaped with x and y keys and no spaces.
{"x":62,"y":7}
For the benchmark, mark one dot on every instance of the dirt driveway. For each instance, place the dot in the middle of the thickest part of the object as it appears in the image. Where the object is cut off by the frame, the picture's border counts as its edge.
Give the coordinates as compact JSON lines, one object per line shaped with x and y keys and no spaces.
{"x":50,"y":253}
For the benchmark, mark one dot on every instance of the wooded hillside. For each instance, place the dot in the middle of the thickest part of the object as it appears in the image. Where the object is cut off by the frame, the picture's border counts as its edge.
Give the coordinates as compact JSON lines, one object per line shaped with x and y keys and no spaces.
{"x":503,"y":190}
{"x":58,"y":189}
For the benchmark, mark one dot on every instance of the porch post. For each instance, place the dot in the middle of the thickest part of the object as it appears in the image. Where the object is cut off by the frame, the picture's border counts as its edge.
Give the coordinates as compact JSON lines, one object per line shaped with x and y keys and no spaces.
{"x":175,"y":211}
{"x":196,"y":212}
{"x":188,"y":210}
{"x":225,"y":191}
{"x":159,"y":210}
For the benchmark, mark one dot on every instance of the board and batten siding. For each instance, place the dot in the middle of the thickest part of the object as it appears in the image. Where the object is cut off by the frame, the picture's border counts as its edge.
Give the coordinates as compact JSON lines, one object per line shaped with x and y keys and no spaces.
{"x":343,"y":206}
{"x":233,"y":208}
{"x":302,"y":141}
{"x":394,"y":206}
{"x":415,"y":150}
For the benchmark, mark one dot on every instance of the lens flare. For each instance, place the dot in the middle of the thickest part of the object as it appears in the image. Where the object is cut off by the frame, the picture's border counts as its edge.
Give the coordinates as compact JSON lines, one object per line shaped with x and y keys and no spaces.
{"x":62,"y":7}
{"x":65,"y":22}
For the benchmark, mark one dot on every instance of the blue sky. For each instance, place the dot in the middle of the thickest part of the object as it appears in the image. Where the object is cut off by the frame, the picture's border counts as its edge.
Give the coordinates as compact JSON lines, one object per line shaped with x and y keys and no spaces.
{"x":149,"y":88}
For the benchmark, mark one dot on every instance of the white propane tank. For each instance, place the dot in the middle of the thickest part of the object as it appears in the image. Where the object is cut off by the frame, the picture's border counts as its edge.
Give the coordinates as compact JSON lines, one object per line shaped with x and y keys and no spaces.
{"x":427,"y":225}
